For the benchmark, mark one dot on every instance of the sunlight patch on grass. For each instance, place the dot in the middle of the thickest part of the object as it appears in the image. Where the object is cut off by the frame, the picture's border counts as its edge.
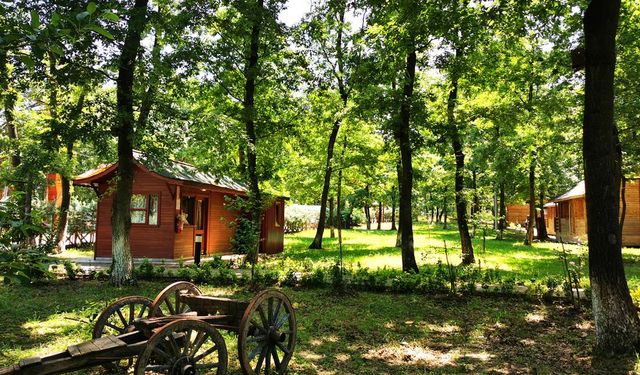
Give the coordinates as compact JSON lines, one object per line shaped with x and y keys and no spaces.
{"x":535,"y":317}
{"x":408,"y":354}
{"x":57,"y":324}
{"x":443,"y":328}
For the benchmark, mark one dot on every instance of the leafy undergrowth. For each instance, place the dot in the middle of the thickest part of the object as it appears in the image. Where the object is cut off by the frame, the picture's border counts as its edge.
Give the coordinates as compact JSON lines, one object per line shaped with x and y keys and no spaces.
{"x":363,"y":333}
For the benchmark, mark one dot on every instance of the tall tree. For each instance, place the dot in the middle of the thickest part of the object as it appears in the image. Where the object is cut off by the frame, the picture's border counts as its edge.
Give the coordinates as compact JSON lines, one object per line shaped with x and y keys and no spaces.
{"x":616,"y":319}
{"x":122,"y":270}
{"x":335,"y":13}
{"x":402,"y":135}
{"x":254,"y":15}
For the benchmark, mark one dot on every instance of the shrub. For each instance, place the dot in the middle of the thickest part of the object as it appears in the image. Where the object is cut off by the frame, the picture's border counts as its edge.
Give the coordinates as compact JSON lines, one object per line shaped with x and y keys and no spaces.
{"x":225,"y":277}
{"x":24,"y":266}
{"x":290,"y":279}
{"x":264,"y":278}
{"x":145,"y":270}
{"x":294,"y":224}
{"x":314,"y":279}
{"x":507,"y":286}
{"x":245,"y":237}
{"x":71,"y":269}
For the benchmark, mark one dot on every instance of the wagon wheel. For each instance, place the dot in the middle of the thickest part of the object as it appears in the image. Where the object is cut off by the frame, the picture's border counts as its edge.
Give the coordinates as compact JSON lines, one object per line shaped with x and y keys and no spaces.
{"x":267,"y":334}
{"x":184,"y":347}
{"x":118,"y":318}
{"x":167,"y":301}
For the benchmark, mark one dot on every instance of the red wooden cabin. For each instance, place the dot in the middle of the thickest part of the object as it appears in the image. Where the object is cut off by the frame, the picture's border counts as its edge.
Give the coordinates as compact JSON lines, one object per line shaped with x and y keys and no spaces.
{"x":566,"y":215}
{"x":175,"y":210}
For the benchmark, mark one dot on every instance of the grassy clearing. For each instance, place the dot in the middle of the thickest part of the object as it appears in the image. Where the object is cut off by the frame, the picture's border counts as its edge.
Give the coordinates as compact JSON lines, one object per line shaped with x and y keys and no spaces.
{"x":376,"y":249}
{"x":364,"y":333}
{"x":81,"y":252}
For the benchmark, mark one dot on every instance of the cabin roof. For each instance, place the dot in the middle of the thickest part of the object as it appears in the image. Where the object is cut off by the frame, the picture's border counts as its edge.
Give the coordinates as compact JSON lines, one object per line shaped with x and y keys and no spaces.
{"x":576,"y":192}
{"x":171,"y":169}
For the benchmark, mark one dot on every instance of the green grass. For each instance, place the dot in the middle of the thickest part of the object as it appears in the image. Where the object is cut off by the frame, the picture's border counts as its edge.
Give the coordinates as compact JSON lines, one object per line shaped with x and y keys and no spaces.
{"x":376,"y":249}
{"x":365,"y":333}
{"x":81,"y":252}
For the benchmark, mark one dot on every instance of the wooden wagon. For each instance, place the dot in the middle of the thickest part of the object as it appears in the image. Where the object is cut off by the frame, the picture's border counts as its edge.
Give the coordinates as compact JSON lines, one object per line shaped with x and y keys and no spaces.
{"x":177,"y":333}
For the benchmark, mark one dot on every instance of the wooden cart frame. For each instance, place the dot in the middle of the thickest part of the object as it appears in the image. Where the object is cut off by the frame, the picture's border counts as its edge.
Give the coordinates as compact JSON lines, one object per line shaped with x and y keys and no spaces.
{"x":177,"y":333}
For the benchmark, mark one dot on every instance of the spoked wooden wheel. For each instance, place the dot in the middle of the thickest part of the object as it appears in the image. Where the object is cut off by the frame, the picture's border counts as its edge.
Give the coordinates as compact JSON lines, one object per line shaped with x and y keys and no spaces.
{"x":267,"y":334}
{"x":167,"y":301}
{"x":118,"y":318}
{"x":184,"y":347}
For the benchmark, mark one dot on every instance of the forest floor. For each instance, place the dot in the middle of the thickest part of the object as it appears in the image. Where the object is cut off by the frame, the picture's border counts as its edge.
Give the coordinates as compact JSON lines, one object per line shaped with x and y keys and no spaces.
{"x":361,"y":333}
{"x":376,"y":249}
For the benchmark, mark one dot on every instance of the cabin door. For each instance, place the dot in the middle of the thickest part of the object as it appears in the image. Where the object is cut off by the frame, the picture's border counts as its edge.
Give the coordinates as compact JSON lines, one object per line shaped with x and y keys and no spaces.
{"x":200,"y":232}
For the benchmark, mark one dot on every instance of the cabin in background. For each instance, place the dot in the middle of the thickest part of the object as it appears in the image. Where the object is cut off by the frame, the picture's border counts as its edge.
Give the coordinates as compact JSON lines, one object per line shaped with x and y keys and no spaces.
{"x":177,"y":212}
{"x":517,"y":214}
{"x":566,"y":215}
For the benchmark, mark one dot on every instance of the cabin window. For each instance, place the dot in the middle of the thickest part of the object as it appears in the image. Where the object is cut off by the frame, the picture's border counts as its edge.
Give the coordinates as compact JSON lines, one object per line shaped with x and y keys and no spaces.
{"x":144,"y":209}
{"x":277,"y":221}
{"x":188,"y":205}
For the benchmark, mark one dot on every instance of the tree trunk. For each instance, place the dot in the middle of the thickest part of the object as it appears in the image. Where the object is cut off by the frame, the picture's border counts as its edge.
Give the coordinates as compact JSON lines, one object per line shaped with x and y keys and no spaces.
{"x":438,"y":215}
{"x":339,"y":203}
{"x":444,"y":215}
{"x":61,"y":230}
{"x":542,"y":225}
{"x":475,"y":207}
{"x":616,"y":320}
{"x":380,"y":215}
{"x":122,"y":268}
{"x":461,"y":203}
{"x":502,"y":223}
{"x":28,"y":203}
{"x":317,"y":240}
{"x":399,"y":174}
{"x":251,"y":73}
{"x":528,"y":240}
{"x":9,"y":97}
{"x":404,"y":142}
{"x":393,"y":208}
{"x":367,"y":208}
{"x":331,"y":216}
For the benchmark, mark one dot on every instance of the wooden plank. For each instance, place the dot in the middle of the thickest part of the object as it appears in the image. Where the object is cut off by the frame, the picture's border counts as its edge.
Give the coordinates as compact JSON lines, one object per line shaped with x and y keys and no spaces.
{"x":73,"y":350}
{"x":107,"y":342}
{"x":9,"y":370}
{"x":96,"y":346}
{"x":87,"y":347}
{"x":28,"y":362}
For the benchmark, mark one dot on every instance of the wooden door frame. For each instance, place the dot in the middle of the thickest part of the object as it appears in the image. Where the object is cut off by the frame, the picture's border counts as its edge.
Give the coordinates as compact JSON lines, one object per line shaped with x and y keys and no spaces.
{"x":205,"y":224}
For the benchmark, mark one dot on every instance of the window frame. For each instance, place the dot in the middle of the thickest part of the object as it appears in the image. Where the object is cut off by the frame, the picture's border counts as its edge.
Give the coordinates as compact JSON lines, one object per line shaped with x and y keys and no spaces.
{"x":146,"y":210}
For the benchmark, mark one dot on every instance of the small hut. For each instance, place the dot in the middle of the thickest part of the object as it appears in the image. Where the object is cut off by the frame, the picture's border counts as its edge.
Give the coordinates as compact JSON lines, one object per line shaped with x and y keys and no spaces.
{"x":566,"y":215}
{"x":517,"y":214}
{"x":177,"y":212}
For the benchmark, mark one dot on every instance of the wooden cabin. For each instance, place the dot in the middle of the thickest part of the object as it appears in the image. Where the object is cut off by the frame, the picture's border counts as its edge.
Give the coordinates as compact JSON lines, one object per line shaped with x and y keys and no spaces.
{"x":177,"y":212}
{"x":517,"y":214}
{"x":566,"y":215}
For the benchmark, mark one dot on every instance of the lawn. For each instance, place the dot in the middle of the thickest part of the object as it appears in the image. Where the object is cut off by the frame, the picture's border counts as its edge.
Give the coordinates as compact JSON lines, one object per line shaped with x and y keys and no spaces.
{"x":364,"y":333}
{"x":376,"y":248}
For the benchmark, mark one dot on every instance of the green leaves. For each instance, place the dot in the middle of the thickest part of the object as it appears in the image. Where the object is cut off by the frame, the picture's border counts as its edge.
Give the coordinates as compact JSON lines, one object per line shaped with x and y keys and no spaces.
{"x":110,"y":16}
{"x":82,"y":15}
{"x":35,"y":19}
{"x":100,"y":30}
{"x":27,"y":60}
{"x":91,"y":7}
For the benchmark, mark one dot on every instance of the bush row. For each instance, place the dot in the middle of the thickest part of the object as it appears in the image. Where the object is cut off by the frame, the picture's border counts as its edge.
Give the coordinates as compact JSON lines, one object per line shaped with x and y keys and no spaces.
{"x":438,"y":279}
